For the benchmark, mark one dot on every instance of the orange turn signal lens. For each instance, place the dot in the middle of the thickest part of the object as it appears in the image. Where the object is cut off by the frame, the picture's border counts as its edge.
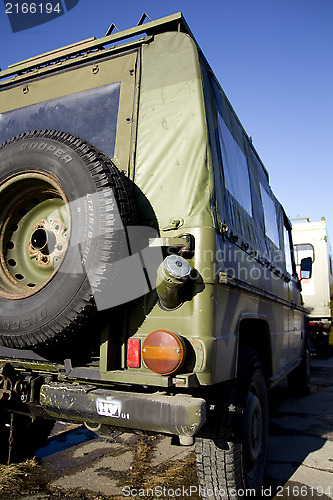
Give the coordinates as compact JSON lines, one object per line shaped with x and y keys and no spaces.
{"x":163,"y":352}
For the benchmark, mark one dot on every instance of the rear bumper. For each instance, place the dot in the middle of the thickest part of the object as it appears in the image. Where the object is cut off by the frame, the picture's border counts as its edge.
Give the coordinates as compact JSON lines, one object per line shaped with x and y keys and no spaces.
{"x":182,"y":414}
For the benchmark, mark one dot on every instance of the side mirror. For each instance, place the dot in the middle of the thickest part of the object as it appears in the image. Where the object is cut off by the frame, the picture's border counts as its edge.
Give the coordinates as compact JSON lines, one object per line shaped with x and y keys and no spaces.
{"x":306,"y":268}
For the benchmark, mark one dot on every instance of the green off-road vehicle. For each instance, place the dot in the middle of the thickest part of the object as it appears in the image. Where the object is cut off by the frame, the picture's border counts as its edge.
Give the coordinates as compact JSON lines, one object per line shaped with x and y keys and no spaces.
{"x":147,"y":278}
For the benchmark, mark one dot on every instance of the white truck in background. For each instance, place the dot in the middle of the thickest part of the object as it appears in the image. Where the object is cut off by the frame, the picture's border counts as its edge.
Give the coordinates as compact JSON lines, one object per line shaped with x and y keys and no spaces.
{"x":311,"y":240}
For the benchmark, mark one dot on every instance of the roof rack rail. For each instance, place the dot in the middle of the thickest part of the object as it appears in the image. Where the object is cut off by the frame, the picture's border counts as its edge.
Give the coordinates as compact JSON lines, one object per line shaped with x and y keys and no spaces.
{"x":175,"y":22}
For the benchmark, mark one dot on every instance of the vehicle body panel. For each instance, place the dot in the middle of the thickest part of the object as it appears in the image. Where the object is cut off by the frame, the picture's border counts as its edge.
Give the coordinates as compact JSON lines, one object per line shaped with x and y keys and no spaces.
{"x":179,"y":142}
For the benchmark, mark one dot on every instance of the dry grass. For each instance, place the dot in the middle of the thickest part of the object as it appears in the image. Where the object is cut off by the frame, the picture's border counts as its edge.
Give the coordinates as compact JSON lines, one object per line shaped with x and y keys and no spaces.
{"x":182,"y":471}
{"x":142,"y":460}
{"x":13,"y":475}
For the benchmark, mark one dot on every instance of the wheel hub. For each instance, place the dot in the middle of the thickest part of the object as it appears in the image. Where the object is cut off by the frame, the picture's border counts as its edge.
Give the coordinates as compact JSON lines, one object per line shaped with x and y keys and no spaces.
{"x":253,"y":426}
{"x":48,"y":243}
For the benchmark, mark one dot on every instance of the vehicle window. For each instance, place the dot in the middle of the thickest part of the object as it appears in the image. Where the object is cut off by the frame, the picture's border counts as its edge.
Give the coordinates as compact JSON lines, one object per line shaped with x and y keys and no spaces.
{"x":91,"y":115}
{"x":235,"y":167}
{"x":287,"y":251}
{"x":271,"y":225}
{"x":302,"y":251}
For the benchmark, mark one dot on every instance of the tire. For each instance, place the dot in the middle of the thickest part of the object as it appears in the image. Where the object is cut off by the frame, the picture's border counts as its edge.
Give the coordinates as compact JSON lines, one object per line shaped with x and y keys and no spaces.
{"x":28,"y":435}
{"x":323,"y":347}
{"x":60,"y":199}
{"x":299,"y":380}
{"x":231,"y":451}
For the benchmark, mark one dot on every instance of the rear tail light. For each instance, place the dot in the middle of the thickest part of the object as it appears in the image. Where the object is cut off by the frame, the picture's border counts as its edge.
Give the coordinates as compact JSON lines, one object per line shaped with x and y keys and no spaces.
{"x":133,"y":353}
{"x":163,"y":352}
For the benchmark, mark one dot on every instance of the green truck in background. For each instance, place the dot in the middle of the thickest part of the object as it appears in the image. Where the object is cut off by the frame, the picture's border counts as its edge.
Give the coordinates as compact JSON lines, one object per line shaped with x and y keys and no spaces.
{"x":147,"y":278}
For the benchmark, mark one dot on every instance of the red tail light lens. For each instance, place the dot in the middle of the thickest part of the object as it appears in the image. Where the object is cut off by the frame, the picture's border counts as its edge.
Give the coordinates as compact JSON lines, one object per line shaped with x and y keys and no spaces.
{"x":133,"y":353}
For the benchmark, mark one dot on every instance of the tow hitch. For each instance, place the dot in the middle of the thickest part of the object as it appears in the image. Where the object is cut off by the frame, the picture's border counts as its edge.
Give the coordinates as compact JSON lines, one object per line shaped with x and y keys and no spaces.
{"x":6,"y":387}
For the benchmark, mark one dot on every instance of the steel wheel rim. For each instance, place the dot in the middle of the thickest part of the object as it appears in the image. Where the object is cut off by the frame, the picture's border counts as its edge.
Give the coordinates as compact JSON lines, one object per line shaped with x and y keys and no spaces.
{"x":34,"y":232}
{"x":253,"y":423}
{"x":254,"y":431}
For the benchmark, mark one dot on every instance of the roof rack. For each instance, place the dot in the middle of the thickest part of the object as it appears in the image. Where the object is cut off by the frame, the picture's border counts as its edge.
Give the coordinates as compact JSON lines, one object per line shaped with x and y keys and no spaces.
{"x":175,"y":22}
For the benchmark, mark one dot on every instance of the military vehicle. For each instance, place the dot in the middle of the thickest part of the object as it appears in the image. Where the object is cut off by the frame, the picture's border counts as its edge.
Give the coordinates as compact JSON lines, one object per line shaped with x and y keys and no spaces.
{"x":311,"y":240}
{"x":147,"y":278}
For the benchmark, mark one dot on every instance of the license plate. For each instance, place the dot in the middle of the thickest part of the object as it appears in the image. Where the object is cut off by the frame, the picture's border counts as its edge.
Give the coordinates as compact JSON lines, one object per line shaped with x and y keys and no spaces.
{"x":108,"y":408}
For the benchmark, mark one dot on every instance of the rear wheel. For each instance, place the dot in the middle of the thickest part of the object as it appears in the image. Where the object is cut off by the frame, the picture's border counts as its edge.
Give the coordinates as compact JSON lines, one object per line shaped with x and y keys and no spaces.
{"x":299,"y":380}
{"x":231,"y":451}
{"x":323,"y":348}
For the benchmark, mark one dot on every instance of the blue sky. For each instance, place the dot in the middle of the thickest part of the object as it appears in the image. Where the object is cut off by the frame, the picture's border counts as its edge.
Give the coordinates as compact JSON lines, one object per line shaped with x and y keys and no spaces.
{"x":274,"y":60}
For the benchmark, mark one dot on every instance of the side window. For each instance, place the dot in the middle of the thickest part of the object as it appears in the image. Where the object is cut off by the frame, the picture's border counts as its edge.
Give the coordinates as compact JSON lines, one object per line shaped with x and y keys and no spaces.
{"x":271,"y":225}
{"x":76,"y":113}
{"x":235,"y":167}
{"x":302,"y":251}
{"x":287,"y":251}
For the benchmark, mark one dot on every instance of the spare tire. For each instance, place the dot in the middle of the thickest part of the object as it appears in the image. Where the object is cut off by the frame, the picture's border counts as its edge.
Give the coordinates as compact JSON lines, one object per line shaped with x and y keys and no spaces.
{"x":60,"y":201}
